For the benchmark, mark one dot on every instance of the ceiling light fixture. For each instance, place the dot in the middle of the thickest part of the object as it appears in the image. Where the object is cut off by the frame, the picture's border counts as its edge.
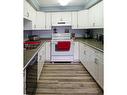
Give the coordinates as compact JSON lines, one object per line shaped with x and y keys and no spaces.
{"x":64,"y":2}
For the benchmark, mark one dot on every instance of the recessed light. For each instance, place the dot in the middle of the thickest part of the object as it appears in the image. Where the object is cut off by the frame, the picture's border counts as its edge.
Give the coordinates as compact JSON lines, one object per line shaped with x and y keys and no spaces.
{"x":64,"y":2}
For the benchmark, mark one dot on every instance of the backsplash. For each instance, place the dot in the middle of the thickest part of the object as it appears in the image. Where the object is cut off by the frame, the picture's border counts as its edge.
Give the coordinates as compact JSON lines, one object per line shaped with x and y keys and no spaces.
{"x":59,"y":29}
{"x":97,"y":31}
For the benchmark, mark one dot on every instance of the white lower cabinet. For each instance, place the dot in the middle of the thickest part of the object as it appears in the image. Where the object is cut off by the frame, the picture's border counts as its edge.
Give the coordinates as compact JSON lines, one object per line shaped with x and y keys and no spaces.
{"x":47,"y":48}
{"x":76,"y":51}
{"x":41,"y":59}
{"x":100,"y":65}
{"x":92,"y":59}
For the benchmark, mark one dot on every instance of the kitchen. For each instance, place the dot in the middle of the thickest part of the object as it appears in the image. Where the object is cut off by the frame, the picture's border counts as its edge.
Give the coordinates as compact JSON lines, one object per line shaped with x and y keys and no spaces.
{"x":63,"y":42}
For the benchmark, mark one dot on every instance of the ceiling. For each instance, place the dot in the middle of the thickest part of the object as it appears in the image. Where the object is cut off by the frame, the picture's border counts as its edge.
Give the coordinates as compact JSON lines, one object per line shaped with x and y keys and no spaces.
{"x":46,"y":3}
{"x":53,"y":5}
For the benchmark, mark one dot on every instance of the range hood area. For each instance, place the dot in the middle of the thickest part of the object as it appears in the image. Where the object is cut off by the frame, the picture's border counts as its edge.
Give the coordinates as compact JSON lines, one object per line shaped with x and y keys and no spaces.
{"x":62,"y":23}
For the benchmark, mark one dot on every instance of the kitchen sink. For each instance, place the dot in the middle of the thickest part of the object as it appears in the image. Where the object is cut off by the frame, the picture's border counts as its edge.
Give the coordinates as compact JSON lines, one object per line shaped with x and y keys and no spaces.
{"x":28,"y":45}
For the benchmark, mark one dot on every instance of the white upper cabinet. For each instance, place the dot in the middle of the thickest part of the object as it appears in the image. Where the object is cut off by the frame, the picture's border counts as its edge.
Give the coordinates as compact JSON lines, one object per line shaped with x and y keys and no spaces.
{"x":66,"y":16}
{"x":40,"y":20}
{"x":83,"y":19}
{"x":30,"y":14}
{"x":60,"y":16}
{"x":99,"y":15}
{"x":30,"y":10}
{"x":48,"y":21}
{"x":91,"y":17}
{"x":26,"y":10}
{"x":74,"y":18}
{"x":96,"y":16}
{"x":34,"y":13}
{"x":56,"y":16}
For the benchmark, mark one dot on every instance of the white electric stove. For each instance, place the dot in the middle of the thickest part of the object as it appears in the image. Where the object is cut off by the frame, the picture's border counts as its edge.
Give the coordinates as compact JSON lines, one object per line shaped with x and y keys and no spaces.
{"x":62,"y":55}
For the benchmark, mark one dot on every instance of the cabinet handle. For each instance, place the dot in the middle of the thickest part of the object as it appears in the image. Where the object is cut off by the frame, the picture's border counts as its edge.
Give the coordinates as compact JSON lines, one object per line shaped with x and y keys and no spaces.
{"x":96,"y":61}
{"x":27,"y":14}
{"x":84,"y":52}
{"x":93,"y":24}
{"x":39,"y":57}
{"x":34,"y":26}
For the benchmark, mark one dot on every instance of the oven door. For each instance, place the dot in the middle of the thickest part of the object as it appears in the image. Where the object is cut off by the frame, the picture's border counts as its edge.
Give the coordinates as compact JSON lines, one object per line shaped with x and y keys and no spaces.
{"x":54,"y":50}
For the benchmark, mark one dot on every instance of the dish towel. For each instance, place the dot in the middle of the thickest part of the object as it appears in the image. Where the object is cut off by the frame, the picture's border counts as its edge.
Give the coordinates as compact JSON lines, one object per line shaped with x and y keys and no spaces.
{"x":63,"y":46}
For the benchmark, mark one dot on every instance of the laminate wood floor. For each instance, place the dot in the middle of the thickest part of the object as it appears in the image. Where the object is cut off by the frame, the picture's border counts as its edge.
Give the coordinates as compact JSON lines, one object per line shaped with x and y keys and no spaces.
{"x":66,"y":79}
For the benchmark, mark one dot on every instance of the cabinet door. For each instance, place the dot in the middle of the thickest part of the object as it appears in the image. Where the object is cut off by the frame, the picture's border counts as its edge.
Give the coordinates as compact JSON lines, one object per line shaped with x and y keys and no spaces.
{"x":76,"y":51}
{"x":99,"y":56}
{"x":66,"y":16}
{"x":90,"y":60}
{"x":56,"y":16}
{"x":25,"y":9}
{"x":83,"y":19}
{"x":33,"y":18}
{"x":101,"y":75}
{"x":74,"y":20}
{"x":96,"y":16}
{"x":91,"y":18}
{"x":39,"y":64}
{"x":48,"y":21}
{"x":47,"y":51}
{"x":99,"y":15}
{"x":30,"y":12}
{"x":41,"y":60}
{"x":83,"y":55}
{"x":81,"y":51}
{"x":40,"y":20}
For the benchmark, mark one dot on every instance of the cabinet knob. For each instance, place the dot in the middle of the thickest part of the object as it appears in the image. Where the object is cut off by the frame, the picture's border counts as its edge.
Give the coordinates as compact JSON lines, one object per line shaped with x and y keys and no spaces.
{"x":96,"y":61}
